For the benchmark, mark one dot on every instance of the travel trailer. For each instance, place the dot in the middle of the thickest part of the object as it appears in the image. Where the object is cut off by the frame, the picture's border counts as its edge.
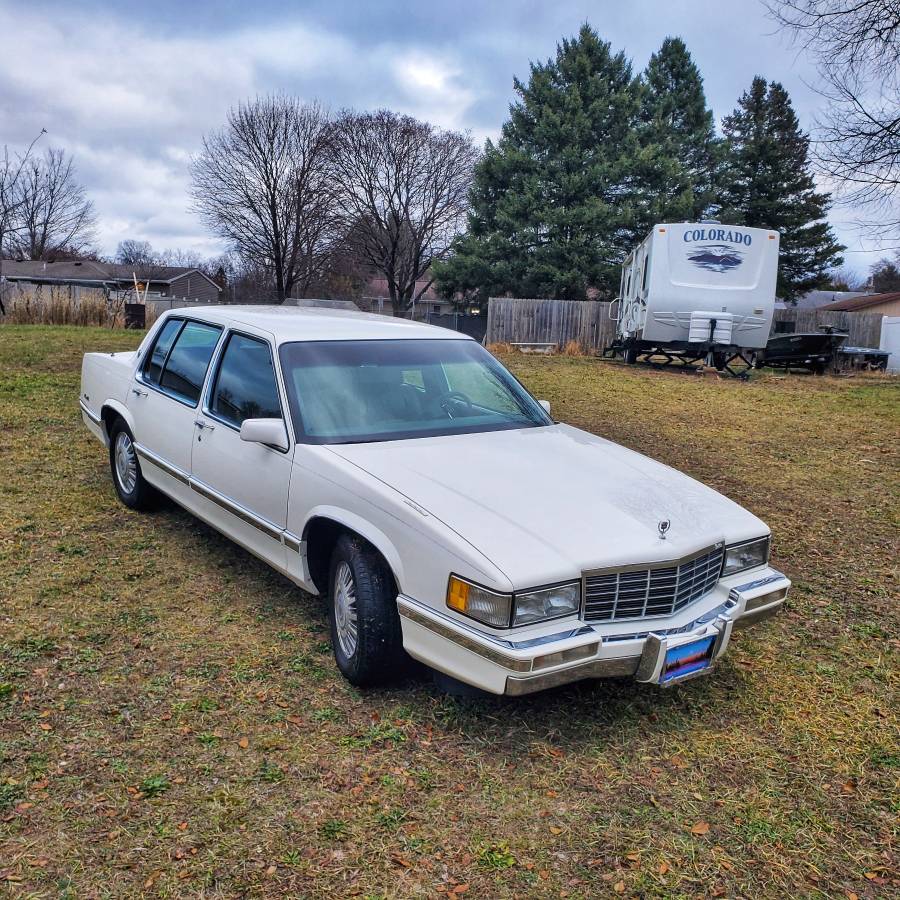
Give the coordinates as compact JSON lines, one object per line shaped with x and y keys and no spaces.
{"x":697,"y":291}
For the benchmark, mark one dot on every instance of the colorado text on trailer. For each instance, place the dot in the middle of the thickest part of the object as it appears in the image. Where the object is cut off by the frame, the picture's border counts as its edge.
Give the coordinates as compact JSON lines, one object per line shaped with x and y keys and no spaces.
{"x":694,"y":291}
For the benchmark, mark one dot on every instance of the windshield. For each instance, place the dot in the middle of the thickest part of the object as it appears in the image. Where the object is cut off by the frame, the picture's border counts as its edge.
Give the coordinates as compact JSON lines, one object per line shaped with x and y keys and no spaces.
{"x":358,"y":391}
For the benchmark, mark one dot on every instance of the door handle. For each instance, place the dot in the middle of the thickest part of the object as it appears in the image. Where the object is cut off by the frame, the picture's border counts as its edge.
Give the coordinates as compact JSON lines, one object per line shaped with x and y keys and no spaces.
{"x":201,"y":425}
{"x":139,"y":393}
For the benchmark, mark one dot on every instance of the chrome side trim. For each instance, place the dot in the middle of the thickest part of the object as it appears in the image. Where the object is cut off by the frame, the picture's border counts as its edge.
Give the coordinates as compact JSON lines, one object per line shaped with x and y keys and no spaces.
{"x":462,"y":640}
{"x":620,"y":667}
{"x":267,"y":528}
{"x":245,"y":515}
{"x":160,"y":463}
{"x":90,"y":414}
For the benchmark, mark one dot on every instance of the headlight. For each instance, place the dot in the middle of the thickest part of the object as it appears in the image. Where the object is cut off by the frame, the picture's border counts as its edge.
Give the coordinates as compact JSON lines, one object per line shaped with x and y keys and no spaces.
{"x":746,"y":556}
{"x":503,"y":610}
{"x":548,"y":603}
{"x":479,"y":603}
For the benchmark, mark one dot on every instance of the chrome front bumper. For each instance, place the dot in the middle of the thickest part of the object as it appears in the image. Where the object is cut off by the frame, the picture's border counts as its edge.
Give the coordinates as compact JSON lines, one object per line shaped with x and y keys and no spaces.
{"x":502,"y":665}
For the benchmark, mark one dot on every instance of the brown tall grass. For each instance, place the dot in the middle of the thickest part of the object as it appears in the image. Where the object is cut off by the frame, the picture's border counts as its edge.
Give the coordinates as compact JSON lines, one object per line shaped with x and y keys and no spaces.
{"x":151,"y":314}
{"x":573,"y":348}
{"x":60,"y":306}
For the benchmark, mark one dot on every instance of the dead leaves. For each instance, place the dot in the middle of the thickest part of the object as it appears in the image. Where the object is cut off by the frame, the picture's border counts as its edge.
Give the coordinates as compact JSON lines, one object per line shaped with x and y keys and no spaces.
{"x":698,"y":829}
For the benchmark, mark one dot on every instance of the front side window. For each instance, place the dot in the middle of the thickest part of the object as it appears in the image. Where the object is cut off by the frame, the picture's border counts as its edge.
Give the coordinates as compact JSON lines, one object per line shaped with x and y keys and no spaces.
{"x":185,"y":369}
{"x":360,"y":391}
{"x":245,"y":386}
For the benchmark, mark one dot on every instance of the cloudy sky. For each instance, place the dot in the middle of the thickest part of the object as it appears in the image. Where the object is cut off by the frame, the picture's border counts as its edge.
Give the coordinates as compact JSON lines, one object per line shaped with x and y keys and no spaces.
{"x":130,"y":87}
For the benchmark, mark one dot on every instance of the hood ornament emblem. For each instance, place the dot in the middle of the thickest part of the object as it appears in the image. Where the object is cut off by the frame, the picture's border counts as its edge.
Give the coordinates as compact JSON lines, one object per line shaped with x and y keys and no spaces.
{"x":663,"y":528}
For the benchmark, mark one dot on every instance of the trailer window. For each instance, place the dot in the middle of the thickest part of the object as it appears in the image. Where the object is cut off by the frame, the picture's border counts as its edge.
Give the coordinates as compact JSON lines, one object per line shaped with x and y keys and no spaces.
{"x":644,"y":277}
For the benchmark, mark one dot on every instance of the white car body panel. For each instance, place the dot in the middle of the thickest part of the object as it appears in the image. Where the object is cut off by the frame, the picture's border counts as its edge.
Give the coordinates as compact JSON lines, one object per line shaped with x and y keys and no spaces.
{"x":510,"y":510}
{"x":537,"y":522}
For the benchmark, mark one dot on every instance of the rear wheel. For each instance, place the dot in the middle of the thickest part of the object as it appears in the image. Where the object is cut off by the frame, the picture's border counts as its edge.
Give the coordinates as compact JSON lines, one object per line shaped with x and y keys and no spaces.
{"x":132,"y":488}
{"x":362,"y":611}
{"x":630,"y":356}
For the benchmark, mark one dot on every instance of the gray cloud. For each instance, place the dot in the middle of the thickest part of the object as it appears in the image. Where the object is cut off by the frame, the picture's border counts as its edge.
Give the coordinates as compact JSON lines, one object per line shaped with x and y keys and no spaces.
{"x":130,"y":89}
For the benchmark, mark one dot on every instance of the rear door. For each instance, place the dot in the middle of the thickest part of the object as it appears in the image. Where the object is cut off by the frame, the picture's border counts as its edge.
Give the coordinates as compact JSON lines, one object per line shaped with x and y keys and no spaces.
{"x":164,"y":400}
{"x":244,"y":486}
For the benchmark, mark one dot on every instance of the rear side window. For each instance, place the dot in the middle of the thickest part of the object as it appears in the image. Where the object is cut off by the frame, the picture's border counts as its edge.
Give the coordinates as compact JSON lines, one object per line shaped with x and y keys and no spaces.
{"x":245,"y":386}
{"x":185,"y":369}
{"x":157,"y":359}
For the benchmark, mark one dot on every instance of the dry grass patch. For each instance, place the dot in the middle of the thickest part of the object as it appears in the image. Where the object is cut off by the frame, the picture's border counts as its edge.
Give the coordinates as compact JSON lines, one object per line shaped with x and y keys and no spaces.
{"x":171,"y":722}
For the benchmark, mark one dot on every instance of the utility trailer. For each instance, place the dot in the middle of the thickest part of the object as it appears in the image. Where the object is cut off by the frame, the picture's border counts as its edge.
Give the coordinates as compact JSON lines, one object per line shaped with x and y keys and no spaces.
{"x":697,"y":291}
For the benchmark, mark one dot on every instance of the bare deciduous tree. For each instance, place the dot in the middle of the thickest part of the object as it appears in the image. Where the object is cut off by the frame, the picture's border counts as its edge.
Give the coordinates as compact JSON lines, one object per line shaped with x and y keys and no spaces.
{"x":11,"y":170}
{"x":53,"y":215}
{"x":261,"y":184}
{"x":856,"y":44}
{"x":136,"y":253}
{"x":404,"y":195}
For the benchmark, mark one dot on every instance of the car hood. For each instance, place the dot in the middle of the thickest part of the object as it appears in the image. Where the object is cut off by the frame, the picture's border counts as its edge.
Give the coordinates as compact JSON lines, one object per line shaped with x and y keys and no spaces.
{"x":544,"y":504}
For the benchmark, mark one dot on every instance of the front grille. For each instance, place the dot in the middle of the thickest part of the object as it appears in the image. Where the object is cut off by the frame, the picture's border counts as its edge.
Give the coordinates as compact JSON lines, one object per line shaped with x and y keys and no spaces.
{"x":657,"y":590}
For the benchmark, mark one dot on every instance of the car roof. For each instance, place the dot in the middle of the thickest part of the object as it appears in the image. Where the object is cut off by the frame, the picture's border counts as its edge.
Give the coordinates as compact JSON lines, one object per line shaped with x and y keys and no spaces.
{"x":291,"y":323}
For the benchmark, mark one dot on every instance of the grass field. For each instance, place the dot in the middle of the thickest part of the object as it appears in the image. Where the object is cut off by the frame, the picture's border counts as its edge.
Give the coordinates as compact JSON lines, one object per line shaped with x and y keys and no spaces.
{"x":171,"y":722}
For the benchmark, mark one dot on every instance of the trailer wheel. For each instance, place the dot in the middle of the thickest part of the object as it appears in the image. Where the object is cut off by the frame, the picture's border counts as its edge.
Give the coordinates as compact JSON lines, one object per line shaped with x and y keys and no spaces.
{"x":630,"y":356}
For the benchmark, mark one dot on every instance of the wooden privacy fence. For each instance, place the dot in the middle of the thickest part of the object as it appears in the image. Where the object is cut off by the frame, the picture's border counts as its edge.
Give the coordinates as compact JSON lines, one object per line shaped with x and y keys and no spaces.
{"x":587,"y":322}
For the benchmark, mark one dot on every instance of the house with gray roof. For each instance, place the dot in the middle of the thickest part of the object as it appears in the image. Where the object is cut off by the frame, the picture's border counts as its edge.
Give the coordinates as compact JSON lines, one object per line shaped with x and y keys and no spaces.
{"x":168,"y":282}
{"x":817,"y":299}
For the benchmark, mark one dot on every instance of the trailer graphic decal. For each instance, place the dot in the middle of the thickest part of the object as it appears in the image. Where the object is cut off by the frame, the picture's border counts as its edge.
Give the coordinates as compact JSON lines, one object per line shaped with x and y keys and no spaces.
{"x":716,"y":257}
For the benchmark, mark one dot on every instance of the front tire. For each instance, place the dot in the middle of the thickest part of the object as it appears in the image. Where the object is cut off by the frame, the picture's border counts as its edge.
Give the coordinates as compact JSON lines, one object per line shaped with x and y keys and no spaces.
{"x":133,"y":490}
{"x":362,"y":611}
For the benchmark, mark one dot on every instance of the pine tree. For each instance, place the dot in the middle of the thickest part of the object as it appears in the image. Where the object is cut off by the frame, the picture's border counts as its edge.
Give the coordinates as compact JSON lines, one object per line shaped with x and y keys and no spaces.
{"x":677,"y":122}
{"x":557,"y":202}
{"x":767,"y":184}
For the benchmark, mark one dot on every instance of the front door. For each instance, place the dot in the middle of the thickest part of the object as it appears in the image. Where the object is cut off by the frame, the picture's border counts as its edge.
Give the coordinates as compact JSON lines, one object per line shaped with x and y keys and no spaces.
{"x":164,"y":400}
{"x":243,"y":485}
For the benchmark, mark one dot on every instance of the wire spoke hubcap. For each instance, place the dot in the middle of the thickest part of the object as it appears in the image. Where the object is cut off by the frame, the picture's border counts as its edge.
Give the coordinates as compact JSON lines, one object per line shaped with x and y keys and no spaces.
{"x":126,"y":463}
{"x":345,"y":614}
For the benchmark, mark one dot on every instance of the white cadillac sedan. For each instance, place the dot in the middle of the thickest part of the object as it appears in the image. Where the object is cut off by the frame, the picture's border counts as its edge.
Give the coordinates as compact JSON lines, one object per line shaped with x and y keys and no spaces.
{"x":403,"y":473}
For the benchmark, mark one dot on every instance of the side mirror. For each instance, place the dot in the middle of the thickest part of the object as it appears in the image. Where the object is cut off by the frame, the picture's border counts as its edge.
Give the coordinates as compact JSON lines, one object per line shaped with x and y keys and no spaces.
{"x":545,"y":406}
{"x":265,"y":431}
